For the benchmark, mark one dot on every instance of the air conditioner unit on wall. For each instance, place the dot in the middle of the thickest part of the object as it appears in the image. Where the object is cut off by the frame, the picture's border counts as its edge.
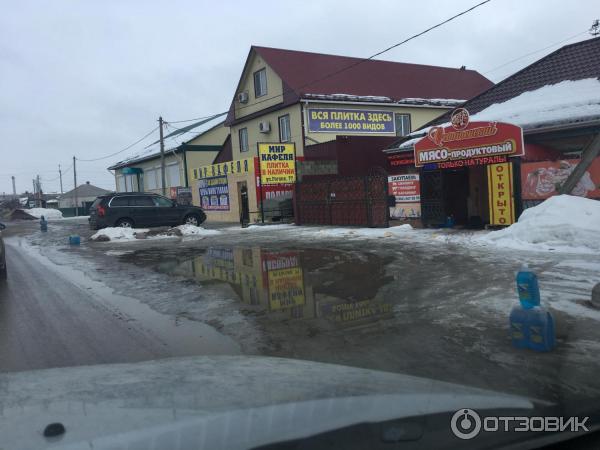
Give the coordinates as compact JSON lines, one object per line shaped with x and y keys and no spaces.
{"x":264,"y":127}
{"x":243,"y":97}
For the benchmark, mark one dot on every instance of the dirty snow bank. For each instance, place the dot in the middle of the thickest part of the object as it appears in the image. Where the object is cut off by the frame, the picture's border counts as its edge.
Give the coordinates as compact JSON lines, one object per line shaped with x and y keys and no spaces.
{"x":117,"y":234}
{"x":48,"y":213}
{"x":192,"y":230}
{"x":131,"y":234}
{"x":563,"y":223}
{"x":364,"y":232}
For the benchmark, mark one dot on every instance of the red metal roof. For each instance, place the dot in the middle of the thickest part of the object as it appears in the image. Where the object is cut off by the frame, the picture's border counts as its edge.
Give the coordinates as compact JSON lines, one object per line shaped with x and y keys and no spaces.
{"x":317,"y":73}
{"x":306,"y":72}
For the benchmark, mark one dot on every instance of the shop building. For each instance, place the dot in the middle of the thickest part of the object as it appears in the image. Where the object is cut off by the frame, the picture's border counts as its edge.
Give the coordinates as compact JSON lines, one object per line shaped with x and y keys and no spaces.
{"x":297,"y":99}
{"x":142,"y":173}
{"x":469,"y":167}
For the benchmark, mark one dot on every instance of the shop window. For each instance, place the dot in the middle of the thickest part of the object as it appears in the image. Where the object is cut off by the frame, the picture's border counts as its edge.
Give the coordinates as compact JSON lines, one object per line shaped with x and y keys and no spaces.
{"x":243,"y":135}
{"x":130,"y":183}
{"x":260,"y":83}
{"x":285,"y":134}
{"x":402,"y":124}
{"x":174,"y":175}
{"x":120,"y":183}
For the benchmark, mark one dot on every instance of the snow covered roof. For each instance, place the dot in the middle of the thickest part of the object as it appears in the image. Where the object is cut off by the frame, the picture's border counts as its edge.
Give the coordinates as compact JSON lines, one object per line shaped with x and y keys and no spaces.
{"x":172,"y":144}
{"x":412,"y":101}
{"x":563,"y":103}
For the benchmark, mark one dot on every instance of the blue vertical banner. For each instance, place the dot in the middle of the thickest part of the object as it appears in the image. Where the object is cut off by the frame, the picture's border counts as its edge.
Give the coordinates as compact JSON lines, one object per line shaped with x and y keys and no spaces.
{"x":214,"y":193}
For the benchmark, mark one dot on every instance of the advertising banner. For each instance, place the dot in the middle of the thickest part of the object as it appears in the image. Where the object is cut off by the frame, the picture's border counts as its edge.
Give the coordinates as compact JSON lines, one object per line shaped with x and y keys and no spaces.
{"x":230,"y":167}
{"x":214,"y":193}
{"x":501,"y":194}
{"x":407,"y":191}
{"x":464,"y":140}
{"x":348,"y":121}
{"x":540,"y":180}
{"x":406,"y":188}
{"x":277,"y":163}
{"x":184,"y":196}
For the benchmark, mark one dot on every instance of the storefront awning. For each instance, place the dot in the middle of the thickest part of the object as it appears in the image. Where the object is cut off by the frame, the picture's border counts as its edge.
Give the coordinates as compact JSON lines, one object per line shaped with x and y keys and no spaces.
{"x":131,"y":170}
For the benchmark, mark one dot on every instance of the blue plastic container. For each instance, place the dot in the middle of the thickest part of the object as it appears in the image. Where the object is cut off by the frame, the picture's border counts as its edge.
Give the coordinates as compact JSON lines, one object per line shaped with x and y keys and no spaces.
{"x":532,"y":328}
{"x":74,"y":240}
{"x":528,"y":288}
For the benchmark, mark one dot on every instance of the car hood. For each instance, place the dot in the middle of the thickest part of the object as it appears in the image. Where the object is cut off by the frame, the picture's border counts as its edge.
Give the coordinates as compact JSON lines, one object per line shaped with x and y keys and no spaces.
{"x":217,"y":401}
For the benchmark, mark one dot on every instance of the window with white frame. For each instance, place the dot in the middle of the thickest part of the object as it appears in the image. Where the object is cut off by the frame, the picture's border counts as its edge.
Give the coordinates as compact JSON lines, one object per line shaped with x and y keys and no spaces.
{"x":151,"y":177}
{"x":402,"y":124}
{"x":130,"y":183}
{"x":120,"y":183}
{"x":285,"y":133}
{"x":243,"y":136}
{"x":260,"y":83}
{"x":174,"y":179}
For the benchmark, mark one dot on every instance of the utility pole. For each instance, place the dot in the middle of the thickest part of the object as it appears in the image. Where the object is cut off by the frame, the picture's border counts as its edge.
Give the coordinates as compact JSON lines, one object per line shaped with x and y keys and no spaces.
{"x":162,"y":157}
{"x":14,"y":187}
{"x":75,"y":191}
{"x":39,"y":192}
{"x":60,"y":176}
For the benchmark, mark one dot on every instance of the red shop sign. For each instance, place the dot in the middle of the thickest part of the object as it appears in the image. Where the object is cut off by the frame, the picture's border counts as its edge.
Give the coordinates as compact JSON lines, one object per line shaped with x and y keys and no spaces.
{"x":464,"y":140}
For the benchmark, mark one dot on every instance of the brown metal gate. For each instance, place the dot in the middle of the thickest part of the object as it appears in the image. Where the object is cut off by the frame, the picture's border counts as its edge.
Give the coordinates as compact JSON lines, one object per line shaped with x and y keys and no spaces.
{"x":358,"y":201}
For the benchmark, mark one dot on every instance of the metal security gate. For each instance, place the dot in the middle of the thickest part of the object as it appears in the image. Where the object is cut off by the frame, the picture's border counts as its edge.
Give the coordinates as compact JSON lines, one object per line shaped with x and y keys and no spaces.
{"x":432,"y":198}
{"x":358,"y":201}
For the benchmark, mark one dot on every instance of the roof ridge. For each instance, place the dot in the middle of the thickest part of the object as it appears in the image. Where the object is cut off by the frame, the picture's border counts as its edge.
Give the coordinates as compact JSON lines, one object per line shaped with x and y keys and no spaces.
{"x":357,"y":58}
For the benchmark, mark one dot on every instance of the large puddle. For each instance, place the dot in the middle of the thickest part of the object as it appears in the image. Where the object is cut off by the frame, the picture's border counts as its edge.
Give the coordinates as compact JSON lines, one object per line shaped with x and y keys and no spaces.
{"x":340,"y":287}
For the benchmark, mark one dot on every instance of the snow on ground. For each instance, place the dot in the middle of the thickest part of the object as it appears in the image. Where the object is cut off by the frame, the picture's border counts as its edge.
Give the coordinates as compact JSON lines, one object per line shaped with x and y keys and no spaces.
{"x":118,"y":233}
{"x":328,"y":232}
{"x":48,"y":213}
{"x":191,"y":230}
{"x":563,"y":223}
{"x":132,"y":234}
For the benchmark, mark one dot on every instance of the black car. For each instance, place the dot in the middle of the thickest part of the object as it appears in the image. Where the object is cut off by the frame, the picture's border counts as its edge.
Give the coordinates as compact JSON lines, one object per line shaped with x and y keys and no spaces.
{"x":2,"y":255}
{"x":141,"y":209}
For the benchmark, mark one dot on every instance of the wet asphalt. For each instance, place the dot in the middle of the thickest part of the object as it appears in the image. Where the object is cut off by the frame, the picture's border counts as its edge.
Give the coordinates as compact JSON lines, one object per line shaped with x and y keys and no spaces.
{"x":437,"y":311}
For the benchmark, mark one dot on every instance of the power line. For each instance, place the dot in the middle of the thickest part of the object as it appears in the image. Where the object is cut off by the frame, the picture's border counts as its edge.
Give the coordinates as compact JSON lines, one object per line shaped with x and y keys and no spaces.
{"x":533,"y":53}
{"x":120,"y":151}
{"x":361,"y":61}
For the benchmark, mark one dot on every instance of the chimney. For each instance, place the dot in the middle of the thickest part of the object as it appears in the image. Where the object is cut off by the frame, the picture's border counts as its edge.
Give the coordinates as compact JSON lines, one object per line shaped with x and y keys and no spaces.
{"x":463,"y":68}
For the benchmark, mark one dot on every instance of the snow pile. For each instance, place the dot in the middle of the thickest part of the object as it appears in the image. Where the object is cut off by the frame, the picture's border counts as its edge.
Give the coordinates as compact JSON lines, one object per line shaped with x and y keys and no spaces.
{"x":48,"y":213}
{"x":192,"y":230}
{"x":562,"y":223}
{"x":364,"y":232}
{"x":117,"y":234}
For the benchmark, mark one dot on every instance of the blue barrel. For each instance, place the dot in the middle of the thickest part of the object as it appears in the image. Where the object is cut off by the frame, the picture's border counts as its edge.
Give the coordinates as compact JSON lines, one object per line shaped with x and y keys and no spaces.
{"x":74,"y":240}
{"x":528,"y":287}
{"x":532,"y":328}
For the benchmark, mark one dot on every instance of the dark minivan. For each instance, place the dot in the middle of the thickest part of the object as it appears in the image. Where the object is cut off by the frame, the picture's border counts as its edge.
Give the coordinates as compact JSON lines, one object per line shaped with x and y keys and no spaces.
{"x":141,"y":209}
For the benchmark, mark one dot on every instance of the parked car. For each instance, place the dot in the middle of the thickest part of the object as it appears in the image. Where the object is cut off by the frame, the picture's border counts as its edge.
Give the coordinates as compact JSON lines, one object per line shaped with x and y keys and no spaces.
{"x":141,"y":209}
{"x":2,"y":255}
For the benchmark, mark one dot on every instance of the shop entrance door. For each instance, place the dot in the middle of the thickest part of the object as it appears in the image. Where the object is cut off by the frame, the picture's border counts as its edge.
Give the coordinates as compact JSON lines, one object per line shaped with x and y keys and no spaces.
{"x":432,"y":197}
{"x":456,"y":193}
{"x":243,"y":203}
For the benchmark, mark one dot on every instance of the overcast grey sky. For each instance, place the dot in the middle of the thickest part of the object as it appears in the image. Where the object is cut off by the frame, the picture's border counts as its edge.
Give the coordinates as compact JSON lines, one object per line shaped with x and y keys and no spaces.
{"x":88,"y":78}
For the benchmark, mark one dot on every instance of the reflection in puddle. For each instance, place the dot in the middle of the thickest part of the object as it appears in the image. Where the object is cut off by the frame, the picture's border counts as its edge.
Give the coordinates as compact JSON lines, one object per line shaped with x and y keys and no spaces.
{"x":338,"y":287}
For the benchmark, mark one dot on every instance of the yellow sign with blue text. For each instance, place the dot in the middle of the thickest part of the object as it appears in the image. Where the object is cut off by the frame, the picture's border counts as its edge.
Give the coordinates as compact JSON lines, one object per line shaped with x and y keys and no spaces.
{"x":277,"y":163}
{"x":501,"y":194}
